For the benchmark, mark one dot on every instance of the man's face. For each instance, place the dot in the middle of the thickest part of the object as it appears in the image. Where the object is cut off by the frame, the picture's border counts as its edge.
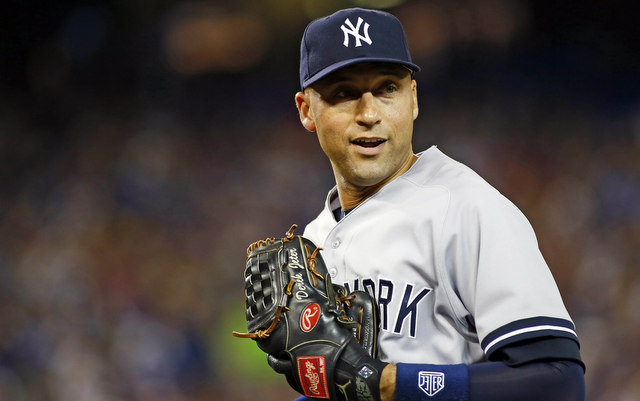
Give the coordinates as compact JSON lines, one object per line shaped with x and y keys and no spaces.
{"x":363,"y":116}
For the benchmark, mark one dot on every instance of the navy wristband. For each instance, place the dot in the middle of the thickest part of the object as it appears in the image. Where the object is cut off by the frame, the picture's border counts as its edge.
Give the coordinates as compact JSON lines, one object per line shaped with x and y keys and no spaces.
{"x":432,"y":382}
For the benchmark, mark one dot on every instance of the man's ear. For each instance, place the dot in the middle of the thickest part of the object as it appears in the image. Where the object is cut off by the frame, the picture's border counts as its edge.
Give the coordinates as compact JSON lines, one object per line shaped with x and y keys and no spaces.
{"x":304,"y":110}
{"x":414,"y":90}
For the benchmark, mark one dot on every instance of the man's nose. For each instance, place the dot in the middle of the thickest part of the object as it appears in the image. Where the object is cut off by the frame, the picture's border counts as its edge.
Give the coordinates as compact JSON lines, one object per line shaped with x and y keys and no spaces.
{"x":367,"y":113}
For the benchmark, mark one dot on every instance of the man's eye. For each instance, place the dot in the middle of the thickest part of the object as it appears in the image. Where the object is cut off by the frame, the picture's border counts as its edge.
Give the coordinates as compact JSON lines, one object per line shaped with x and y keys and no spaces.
{"x":390,"y":89}
{"x":344,"y":94}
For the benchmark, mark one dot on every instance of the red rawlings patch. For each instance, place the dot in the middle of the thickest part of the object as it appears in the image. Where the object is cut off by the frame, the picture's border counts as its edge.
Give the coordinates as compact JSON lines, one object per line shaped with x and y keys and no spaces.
{"x":309,"y":317}
{"x":313,"y":376}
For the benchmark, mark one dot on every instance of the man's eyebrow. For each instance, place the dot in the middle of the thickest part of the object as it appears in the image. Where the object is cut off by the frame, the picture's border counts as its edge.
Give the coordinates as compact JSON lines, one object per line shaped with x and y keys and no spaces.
{"x":333,"y":79}
{"x":339,"y":76}
{"x":400,"y":72}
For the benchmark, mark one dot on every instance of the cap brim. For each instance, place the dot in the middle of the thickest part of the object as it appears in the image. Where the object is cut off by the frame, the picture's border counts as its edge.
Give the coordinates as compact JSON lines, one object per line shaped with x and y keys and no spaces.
{"x":334,"y":67}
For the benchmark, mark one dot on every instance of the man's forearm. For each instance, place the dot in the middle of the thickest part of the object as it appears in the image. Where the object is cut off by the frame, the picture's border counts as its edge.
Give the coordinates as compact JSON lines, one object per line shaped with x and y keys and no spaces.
{"x":496,"y":381}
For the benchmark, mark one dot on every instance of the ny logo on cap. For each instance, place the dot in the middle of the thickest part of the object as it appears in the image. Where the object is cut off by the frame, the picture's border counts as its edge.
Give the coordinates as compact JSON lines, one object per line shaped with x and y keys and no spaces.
{"x":355,"y":32}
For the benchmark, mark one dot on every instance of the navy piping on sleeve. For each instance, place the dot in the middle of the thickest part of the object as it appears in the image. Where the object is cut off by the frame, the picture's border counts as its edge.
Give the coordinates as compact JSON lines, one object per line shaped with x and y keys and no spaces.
{"x":526,"y":329}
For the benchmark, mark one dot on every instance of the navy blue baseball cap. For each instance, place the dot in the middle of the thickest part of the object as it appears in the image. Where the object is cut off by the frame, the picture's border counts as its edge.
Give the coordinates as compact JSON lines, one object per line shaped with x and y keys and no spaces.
{"x":351,"y":36}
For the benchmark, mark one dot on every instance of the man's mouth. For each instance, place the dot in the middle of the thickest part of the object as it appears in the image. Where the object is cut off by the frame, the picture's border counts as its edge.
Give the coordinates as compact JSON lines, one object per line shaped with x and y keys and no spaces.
{"x":368,"y":143}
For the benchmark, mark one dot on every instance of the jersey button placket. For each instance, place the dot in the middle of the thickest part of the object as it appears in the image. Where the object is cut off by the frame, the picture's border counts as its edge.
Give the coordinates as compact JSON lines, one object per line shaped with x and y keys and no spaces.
{"x":335,"y":244}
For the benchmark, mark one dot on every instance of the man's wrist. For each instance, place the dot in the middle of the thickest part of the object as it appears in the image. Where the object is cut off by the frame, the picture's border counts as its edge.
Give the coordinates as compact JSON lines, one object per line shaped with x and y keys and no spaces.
{"x":388,"y":383}
{"x":431,"y":382}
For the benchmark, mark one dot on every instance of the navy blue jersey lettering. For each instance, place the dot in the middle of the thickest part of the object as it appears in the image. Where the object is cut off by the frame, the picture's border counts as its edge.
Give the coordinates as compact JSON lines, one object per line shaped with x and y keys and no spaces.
{"x":385,"y":294}
{"x":409,"y":308}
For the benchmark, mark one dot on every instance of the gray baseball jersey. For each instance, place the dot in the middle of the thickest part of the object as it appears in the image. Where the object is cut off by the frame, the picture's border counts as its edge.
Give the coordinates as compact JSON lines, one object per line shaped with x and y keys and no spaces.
{"x":454,"y":265}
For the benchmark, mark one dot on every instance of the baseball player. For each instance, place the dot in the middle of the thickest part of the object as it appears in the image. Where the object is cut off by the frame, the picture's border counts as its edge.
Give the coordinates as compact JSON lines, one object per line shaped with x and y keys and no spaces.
{"x":468,"y":307}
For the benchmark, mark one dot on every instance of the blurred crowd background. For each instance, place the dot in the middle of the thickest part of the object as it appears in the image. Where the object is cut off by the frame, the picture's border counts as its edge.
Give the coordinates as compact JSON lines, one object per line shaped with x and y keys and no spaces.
{"x":144,"y":145}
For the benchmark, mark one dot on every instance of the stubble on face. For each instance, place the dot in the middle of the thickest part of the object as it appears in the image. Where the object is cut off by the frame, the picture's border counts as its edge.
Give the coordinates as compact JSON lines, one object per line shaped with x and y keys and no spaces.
{"x":363,"y":116}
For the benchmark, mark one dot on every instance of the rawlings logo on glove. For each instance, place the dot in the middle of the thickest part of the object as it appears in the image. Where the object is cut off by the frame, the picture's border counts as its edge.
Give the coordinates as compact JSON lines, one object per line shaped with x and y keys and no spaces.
{"x":309,"y":318}
{"x":313,"y":376}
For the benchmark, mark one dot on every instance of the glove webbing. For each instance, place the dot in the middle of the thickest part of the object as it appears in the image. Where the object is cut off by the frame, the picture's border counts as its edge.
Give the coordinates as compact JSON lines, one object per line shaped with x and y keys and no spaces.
{"x":311,"y":266}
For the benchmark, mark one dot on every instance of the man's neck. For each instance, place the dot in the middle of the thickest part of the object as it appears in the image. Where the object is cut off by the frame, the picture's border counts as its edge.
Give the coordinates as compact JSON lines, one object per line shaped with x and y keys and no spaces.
{"x":351,"y":195}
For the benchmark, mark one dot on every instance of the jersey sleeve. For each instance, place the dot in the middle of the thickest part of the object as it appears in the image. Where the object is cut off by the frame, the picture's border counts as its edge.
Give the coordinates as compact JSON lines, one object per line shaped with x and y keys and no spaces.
{"x":506,"y":291}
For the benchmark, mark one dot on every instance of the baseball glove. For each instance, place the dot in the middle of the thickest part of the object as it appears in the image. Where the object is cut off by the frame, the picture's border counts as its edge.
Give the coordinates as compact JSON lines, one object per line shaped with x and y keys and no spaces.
{"x":321,"y":337}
